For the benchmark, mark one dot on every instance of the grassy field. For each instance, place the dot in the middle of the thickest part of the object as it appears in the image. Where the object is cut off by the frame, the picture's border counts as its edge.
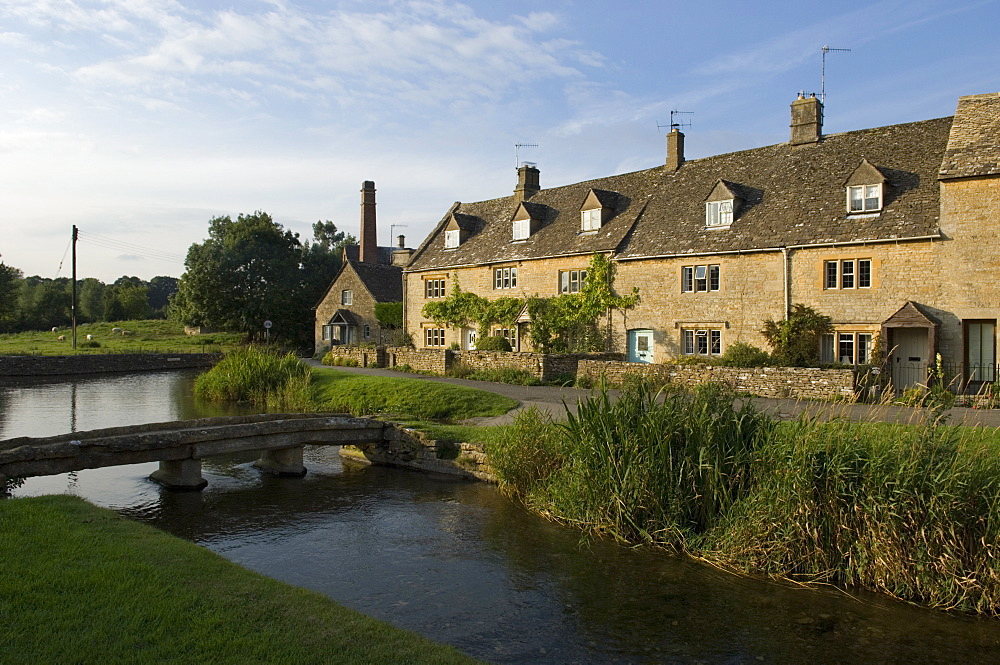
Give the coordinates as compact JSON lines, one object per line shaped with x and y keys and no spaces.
{"x":152,"y":336}
{"x":80,"y":584}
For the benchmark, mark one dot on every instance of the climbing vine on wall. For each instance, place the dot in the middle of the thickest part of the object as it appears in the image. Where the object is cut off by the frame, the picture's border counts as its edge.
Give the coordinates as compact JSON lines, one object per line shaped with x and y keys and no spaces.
{"x":564,"y":323}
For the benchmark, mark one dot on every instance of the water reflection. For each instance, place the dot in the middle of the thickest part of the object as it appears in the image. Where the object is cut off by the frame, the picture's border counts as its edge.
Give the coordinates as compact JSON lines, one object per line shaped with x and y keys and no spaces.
{"x":458,"y":563}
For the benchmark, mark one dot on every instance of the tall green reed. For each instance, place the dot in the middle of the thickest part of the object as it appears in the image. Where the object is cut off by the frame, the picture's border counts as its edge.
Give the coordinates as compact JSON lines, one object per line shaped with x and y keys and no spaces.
{"x":253,"y":374}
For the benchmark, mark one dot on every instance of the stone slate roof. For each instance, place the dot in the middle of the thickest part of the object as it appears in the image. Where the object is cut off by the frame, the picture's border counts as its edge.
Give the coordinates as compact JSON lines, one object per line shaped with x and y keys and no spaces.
{"x":974,"y":146}
{"x":791,"y":195}
{"x":385,"y":283}
{"x":558,"y":208}
{"x":383,"y":255}
{"x":795,"y":195}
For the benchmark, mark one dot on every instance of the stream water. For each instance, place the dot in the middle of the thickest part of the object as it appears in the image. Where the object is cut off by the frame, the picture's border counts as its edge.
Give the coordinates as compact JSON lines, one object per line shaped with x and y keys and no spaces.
{"x":455,"y":561}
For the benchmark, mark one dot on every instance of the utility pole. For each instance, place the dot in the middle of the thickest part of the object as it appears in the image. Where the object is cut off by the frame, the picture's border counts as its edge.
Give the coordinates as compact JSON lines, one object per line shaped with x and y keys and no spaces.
{"x":72,"y":307}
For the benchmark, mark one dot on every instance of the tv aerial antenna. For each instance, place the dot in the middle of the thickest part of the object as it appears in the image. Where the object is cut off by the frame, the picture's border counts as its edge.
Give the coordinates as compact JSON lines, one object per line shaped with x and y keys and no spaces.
{"x":517,"y":151}
{"x":676,"y":124}
{"x":392,"y":233}
{"x":822,"y":76}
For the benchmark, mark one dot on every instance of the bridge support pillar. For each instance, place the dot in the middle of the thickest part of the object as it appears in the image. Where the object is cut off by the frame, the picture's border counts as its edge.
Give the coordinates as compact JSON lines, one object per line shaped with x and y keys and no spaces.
{"x":184,"y":474}
{"x":284,"y":462}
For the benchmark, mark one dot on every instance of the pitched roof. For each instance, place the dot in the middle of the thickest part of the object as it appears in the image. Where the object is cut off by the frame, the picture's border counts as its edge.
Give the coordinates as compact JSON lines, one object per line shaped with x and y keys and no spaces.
{"x":385,"y":283}
{"x":795,"y":195}
{"x":558,"y":209}
{"x":792,"y":195}
{"x":383,"y":256}
{"x":974,"y":146}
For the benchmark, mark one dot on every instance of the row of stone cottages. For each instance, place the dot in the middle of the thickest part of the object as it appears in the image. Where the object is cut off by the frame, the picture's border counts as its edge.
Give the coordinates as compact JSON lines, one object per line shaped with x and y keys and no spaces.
{"x":890,"y":231}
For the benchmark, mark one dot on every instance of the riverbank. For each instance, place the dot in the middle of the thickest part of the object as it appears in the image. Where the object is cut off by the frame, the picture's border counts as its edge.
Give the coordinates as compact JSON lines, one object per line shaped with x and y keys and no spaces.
{"x":81,"y":584}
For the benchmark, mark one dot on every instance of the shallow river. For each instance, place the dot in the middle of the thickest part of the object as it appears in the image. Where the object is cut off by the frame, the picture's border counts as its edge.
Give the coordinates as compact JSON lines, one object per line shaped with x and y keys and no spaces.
{"x":458,"y":563}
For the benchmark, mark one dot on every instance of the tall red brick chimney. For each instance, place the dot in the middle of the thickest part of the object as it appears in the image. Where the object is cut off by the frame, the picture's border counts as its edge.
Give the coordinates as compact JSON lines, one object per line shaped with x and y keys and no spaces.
{"x":369,"y":237}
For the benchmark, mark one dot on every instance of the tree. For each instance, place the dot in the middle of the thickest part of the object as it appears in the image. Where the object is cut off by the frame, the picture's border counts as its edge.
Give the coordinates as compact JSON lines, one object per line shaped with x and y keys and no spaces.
{"x":161,"y":288}
{"x":10,"y":290}
{"x":795,"y":341}
{"x":322,"y":258}
{"x":90,"y":301}
{"x":246,"y":272}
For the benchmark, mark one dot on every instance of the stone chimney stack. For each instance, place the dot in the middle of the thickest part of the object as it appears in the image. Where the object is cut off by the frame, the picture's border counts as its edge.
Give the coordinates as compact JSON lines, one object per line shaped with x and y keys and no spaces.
{"x":527,"y":182}
{"x":807,"y":120}
{"x":675,"y":149}
{"x":401,"y":241}
{"x":369,"y":237}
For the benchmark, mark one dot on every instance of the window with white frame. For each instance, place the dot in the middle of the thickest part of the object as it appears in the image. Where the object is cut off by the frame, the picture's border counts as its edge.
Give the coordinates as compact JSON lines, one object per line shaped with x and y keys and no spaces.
{"x":505,"y":278}
{"x":452,"y":239}
{"x":347,"y":297}
{"x":846,"y":348}
{"x":509,"y":334}
{"x":590,"y":220}
{"x":719,"y":213}
{"x":435,"y":288}
{"x":847,"y":274}
{"x":327,"y":333}
{"x":864,"y":198}
{"x":434,"y":337}
{"x":571,"y":281}
{"x":705,"y":342}
{"x":522,"y":229}
{"x":700,"y":278}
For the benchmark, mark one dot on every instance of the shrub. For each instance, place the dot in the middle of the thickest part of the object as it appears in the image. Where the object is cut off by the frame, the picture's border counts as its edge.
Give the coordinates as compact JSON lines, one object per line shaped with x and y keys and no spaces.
{"x":89,"y":344}
{"x":492,"y":343}
{"x":742,"y":354}
{"x":796,"y":340}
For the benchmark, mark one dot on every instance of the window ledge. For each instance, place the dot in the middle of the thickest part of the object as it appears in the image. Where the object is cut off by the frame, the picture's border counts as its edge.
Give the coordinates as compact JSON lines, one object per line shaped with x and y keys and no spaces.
{"x":863,"y":215}
{"x":588,"y":233}
{"x":720,"y":227}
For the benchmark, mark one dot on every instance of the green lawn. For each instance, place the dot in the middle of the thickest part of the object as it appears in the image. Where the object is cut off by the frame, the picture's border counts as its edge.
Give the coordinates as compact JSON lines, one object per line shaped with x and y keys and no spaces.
{"x":402,"y":397}
{"x":149,"y":336}
{"x":80,"y":584}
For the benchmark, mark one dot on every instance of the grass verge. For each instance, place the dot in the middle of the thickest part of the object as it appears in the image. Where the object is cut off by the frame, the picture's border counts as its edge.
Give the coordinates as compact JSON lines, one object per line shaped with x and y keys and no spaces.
{"x":403,"y":397}
{"x":81,"y":584}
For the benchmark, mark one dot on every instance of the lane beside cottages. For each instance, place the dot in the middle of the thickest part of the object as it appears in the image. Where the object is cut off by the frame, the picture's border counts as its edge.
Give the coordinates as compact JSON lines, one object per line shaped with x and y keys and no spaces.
{"x":556,"y":400}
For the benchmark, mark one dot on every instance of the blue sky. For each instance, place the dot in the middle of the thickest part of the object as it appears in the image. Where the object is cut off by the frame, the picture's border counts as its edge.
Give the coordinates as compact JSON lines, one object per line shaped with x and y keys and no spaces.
{"x":140,"y":120}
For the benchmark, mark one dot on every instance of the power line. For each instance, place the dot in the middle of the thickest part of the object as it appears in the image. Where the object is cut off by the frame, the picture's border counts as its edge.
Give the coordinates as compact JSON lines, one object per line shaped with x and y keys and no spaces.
{"x":122,"y":246}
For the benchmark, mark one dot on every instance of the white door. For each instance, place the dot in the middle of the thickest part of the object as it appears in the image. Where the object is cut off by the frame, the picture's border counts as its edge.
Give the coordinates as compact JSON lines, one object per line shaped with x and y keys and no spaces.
{"x":470,"y":340}
{"x":909,"y":357}
{"x":640,"y":346}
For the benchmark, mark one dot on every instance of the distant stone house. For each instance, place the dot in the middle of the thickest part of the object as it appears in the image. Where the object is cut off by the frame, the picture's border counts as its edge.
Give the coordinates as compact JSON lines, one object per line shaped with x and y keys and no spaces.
{"x":369,"y":275}
{"x":890,"y":231}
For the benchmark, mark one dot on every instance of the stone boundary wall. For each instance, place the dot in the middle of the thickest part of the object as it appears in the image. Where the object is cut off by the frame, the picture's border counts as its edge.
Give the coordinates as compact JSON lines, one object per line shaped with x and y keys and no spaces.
{"x":408,"y":448}
{"x":99,"y":363}
{"x":543,"y":366}
{"x":793,"y":382}
{"x":365,"y":356}
{"x":437,"y":361}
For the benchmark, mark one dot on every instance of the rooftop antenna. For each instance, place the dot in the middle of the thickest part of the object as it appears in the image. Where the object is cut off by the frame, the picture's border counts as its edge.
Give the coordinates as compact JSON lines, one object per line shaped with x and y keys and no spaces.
{"x":676,"y":124}
{"x":393,"y":233}
{"x":517,"y":150}
{"x":822,"y":83}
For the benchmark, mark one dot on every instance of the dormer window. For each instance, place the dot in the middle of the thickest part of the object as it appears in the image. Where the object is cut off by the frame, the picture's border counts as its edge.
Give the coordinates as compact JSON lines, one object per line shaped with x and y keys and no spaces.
{"x":721,"y":206}
{"x":452,"y":239}
{"x":864,"y":198}
{"x":865,"y":189}
{"x":522,"y":229}
{"x":719,"y":213}
{"x":598,"y":207}
{"x":590,"y":220}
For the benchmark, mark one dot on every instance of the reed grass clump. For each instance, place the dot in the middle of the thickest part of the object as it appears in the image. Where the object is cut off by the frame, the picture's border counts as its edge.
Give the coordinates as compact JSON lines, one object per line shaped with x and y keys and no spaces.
{"x":909,"y":510}
{"x":253,"y":374}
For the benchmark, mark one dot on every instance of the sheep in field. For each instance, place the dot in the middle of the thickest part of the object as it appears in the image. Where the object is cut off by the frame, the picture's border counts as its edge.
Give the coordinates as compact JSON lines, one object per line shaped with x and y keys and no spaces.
{"x":116,"y":330}
{"x":61,"y":338}
{"x":126,"y":332}
{"x":89,"y":337}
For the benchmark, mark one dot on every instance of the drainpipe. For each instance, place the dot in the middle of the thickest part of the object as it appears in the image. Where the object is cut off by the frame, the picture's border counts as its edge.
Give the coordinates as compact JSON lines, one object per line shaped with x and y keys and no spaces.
{"x":786,"y":280}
